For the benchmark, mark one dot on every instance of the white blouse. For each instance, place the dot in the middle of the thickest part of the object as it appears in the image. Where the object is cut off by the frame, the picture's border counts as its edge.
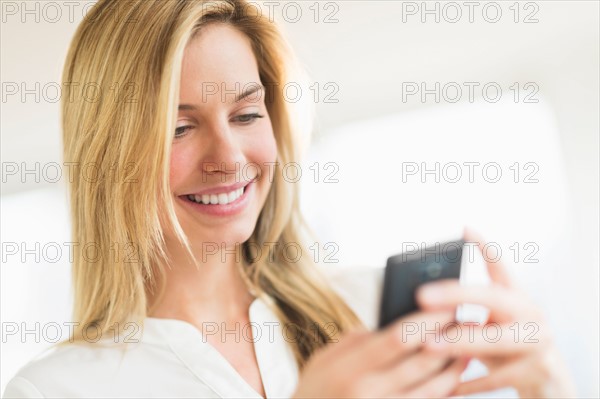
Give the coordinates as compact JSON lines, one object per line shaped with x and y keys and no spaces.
{"x":173,"y":359}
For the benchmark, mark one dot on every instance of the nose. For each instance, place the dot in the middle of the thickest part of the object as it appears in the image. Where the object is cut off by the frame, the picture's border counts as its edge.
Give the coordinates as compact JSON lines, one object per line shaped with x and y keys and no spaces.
{"x":224,"y":153}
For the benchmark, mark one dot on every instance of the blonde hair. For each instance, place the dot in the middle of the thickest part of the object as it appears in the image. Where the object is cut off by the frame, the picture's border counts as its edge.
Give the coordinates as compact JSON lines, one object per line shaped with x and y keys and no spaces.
{"x":138,"y":50}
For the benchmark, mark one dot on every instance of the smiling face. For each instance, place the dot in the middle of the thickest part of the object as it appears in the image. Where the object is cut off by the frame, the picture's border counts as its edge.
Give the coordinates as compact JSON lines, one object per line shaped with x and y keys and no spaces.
{"x":223,"y":144}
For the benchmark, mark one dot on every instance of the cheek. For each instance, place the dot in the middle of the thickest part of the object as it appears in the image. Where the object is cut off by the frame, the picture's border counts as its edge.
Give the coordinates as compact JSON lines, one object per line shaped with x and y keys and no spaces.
{"x":264,"y":151}
{"x":177,"y":167}
{"x":268,"y":155}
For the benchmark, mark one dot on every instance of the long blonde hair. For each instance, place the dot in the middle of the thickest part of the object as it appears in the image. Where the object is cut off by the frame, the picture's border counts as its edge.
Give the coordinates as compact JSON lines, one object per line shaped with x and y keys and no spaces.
{"x":131,"y":53}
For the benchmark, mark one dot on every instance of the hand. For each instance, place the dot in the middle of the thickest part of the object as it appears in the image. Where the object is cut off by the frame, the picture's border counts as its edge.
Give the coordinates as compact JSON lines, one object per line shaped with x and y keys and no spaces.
{"x":524,"y":357}
{"x":386,"y":363}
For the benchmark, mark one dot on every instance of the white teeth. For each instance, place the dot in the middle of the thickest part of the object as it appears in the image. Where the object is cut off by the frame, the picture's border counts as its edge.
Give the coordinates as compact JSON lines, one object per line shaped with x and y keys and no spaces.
{"x":221,"y":199}
{"x":232,"y":196}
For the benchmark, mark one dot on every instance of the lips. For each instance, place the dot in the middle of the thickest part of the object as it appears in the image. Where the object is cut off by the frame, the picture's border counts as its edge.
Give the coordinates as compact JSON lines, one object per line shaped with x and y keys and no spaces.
{"x":220,"y":201}
{"x":221,"y":189}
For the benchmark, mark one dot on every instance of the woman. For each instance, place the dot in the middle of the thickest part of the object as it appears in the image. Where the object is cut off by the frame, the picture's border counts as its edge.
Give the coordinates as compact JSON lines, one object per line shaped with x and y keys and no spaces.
{"x":190,"y":215}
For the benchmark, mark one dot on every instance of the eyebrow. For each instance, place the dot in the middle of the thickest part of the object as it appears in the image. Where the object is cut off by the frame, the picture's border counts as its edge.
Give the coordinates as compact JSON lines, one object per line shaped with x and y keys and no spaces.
{"x":246,"y":93}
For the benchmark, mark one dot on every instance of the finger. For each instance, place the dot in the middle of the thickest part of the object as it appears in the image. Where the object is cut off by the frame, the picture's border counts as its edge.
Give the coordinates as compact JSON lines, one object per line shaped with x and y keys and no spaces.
{"x":500,"y":378}
{"x":441,"y":385}
{"x":339,"y":349}
{"x":497,"y":271}
{"x":397,"y":340}
{"x":503,"y":304}
{"x":411,"y":371}
{"x":490,"y":340}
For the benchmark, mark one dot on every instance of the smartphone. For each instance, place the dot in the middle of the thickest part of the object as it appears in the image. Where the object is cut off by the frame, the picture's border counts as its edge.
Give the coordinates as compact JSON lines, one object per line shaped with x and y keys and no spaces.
{"x":404,"y":273}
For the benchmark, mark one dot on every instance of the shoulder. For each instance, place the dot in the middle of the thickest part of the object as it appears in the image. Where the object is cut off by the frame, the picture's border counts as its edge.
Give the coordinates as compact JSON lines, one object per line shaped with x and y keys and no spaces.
{"x":20,"y":387}
{"x":32,"y":378}
{"x":78,"y":370}
{"x":361,"y":288}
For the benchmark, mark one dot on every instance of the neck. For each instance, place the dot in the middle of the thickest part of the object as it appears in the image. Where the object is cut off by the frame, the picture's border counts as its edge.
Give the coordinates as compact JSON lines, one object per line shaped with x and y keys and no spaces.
{"x":212,"y":292}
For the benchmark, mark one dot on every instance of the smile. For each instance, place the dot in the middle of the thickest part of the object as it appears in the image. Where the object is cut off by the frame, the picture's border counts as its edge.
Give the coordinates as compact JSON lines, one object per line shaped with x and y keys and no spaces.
{"x":220,"y":201}
{"x":217,"y":199}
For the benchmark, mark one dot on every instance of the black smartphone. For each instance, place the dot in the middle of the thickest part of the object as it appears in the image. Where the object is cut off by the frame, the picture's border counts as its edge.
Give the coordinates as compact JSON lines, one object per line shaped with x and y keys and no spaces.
{"x":404,"y":273}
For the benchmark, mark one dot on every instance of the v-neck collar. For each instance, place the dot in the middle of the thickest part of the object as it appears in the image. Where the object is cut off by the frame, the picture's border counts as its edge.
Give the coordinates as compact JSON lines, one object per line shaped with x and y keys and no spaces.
{"x":276,"y":361}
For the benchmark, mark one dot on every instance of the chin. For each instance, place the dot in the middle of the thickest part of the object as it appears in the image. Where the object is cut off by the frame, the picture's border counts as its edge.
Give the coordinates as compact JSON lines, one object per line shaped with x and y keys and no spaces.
{"x":227,"y":235}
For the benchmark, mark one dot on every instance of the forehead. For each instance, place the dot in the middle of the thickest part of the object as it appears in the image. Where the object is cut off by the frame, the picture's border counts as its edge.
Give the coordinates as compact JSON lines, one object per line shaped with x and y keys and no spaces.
{"x":219,"y":54}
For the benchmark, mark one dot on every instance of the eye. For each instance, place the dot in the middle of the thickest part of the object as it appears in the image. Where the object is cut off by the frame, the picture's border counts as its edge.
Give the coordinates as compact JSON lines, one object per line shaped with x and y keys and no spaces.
{"x":247,"y":119}
{"x":180,"y":131}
